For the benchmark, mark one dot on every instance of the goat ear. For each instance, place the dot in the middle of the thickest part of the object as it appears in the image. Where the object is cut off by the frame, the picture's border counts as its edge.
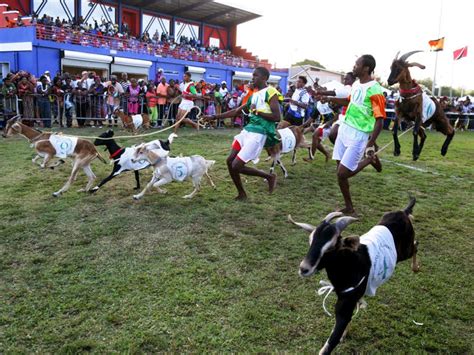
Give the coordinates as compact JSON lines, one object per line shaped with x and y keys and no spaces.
{"x":414,"y":64}
{"x":343,"y":222}
{"x":307,"y":227}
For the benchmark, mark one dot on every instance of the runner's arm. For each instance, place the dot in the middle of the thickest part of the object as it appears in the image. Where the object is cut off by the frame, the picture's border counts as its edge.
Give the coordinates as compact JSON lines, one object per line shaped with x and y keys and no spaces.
{"x":275,"y":116}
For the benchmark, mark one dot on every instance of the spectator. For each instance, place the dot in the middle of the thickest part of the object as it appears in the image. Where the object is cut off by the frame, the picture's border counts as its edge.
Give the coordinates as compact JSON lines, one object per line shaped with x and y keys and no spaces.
{"x":43,"y":90}
{"x":114,"y":90}
{"x":82,"y":104}
{"x":133,"y":92}
{"x":58,"y":100}
{"x":68,"y":100}
{"x":26,"y":90}
{"x":173,"y":93}
{"x":96,"y":94}
{"x":162,"y":94}
{"x":151,"y":100}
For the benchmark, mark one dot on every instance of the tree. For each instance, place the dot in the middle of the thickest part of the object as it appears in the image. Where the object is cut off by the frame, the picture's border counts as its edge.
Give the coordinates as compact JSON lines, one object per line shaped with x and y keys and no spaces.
{"x":312,"y":62}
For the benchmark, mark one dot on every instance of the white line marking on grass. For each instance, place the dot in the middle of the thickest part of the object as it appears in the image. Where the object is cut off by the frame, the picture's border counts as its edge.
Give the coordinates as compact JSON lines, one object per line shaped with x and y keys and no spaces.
{"x":421,"y":170}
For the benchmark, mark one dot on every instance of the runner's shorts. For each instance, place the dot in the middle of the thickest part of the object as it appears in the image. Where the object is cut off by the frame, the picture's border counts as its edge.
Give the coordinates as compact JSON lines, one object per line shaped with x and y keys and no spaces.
{"x":350,"y":146}
{"x":249,"y":145}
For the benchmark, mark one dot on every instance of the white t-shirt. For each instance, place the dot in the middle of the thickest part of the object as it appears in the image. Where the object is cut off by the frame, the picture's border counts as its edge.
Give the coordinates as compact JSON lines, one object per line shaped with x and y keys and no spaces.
{"x":383,"y":256}
{"x":223,"y":92}
{"x":302,"y":96}
{"x":324,"y":109}
{"x":344,"y":92}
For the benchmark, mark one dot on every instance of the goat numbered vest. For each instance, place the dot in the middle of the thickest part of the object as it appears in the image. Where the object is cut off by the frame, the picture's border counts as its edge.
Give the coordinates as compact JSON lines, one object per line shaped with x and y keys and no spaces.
{"x":383,"y":256}
{"x":125,"y":162}
{"x":137,"y":121}
{"x":180,"y":168}
{"x":429,"y":108}
{"x":288,"y":140}
{"x":64,"y":145}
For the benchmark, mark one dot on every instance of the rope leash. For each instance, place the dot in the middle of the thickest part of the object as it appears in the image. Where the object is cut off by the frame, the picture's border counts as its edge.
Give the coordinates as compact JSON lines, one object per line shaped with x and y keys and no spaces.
{"x":392,"y":141}
{"x":327,"y":288}
{"x":146,"y":134}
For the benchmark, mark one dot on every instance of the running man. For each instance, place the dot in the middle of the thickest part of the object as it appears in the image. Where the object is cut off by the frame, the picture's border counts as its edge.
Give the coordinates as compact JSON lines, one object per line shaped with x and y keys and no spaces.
{"x":298,"y":104}
{"x":263,"y":108}
{"x":188,"y":93}
{"x":364,"y":119}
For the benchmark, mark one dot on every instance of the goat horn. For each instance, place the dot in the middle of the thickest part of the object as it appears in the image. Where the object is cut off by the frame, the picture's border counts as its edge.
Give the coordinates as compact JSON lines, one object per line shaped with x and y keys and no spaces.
{"x":396,"y":55}
{"x":307,"y":227}
{"x":332,"y":215}
{"x":343,"y":222}
{"x":406,"y":55}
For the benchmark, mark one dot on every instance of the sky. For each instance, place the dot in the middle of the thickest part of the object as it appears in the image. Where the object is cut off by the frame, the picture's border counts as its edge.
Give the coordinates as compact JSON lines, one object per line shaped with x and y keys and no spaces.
{"x":336,"y":32}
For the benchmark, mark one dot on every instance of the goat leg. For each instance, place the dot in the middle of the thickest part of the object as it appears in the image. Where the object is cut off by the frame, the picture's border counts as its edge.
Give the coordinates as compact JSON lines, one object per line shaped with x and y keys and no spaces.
{"x":147,"y":187}
{"x":396,"y":145}
{"x":344,"y":310}
{"x":106,"y":180}
{"x":293,"y":157}
{"x":137,"y":179}
{"x":422,"y":135}
{"x":416,"y":148}
{"x":285,"y":172}
{"x":415,"y":266}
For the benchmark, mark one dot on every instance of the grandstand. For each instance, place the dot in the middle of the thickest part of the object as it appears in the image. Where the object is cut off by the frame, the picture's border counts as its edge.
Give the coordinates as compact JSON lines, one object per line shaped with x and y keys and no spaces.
{"x":133,"y":36}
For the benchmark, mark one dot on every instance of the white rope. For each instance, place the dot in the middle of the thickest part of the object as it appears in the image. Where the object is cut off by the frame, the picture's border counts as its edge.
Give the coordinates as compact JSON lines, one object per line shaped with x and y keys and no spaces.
{"x":327,"y":288}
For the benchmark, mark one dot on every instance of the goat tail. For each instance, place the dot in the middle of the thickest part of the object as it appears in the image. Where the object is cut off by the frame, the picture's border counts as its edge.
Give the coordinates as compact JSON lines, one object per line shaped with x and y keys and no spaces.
{"x":171,"y":137}
{"x":409,"y":209}
{"x":101,"y":158}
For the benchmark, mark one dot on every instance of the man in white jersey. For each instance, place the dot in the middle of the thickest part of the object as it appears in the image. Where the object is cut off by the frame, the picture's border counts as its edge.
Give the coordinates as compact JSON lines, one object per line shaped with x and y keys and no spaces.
{"x":298,"y":104}
{"x":364,"y":119}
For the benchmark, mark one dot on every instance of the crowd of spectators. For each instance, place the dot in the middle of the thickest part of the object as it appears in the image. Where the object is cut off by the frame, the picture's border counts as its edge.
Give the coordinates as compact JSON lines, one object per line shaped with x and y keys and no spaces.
{"x":91,"y":100}
{"x":104,"y":33}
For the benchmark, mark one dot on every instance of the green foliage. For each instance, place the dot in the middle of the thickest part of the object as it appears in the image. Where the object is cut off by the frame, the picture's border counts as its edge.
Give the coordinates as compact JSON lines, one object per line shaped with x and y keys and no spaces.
{"x":310,"y":62}
{"x":105,"y":274}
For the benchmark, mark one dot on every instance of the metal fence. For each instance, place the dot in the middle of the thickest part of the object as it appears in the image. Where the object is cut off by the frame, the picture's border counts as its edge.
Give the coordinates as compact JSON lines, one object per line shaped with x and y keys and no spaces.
{"x":83,"y":109}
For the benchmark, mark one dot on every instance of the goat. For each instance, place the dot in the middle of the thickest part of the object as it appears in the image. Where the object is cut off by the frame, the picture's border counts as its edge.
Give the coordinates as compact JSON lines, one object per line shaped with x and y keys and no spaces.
{"x":415,"y":105}
{"x":133,"y":123}
{"x":122,"y":158}
{"x":292,"y":138}
{"x":357,"y":266}
{"x":167,"y":169}
{"x":48,"y":145}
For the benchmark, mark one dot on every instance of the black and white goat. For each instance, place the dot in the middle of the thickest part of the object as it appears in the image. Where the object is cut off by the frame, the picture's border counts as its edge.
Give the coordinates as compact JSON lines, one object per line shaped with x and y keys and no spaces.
{"x":356,"y":266}
{"x":122,"y":158}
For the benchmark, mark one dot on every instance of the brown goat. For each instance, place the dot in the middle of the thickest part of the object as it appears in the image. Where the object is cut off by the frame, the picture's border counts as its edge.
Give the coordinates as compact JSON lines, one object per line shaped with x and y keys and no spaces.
{"x":410,"y":107}
{"x":275,"y":151}
{"x":84,"y":152}
{"x":134,"y":122}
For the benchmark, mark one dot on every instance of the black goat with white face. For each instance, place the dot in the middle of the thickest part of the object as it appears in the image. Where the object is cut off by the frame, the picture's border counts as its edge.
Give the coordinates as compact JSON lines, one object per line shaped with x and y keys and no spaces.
{"x":356,"y":266}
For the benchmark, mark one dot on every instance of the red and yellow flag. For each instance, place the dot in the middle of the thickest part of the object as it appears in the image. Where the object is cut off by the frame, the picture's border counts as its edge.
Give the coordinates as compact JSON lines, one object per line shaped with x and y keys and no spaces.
{"x":437,"y":44}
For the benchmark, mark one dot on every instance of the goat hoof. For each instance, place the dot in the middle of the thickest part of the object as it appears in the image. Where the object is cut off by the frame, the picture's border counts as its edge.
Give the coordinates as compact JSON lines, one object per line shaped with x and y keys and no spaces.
{"x":56,"y":194}
{"x":187,"y":197}
{"x":94,"y":189}
{"x":136,"y":197}
{"x":137,"y":188}
{"x":415,"y":267}
{"x":415,"y":157}
{"x":81,"y":190}
{"x":396,"y":153}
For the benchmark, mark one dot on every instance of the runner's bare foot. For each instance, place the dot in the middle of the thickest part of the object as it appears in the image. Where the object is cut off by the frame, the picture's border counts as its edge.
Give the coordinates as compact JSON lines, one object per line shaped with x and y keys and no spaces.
{"x":272,"y":181}
{"x":347,"y":210}
{"x":241,"y":197}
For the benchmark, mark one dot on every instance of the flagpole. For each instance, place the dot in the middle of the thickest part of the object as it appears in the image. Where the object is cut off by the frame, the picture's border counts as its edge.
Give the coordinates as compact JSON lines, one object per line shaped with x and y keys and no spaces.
{"x":452,"y":80}
{"x":436,"y":58}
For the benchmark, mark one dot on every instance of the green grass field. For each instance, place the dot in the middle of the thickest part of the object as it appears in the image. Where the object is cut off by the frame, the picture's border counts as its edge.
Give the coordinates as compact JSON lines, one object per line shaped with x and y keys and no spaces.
{"x":104,"y":273}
